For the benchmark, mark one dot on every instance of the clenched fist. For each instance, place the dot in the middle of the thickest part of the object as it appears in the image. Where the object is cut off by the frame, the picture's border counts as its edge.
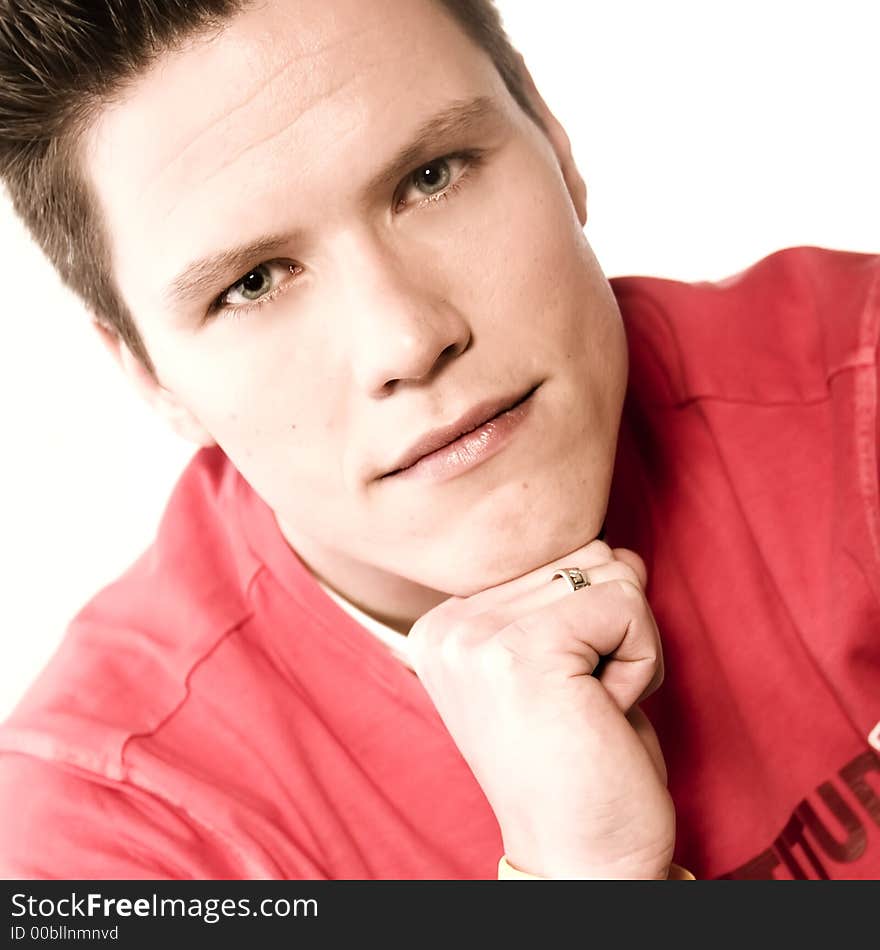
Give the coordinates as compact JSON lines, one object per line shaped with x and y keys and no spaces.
{"x":571,"y":767}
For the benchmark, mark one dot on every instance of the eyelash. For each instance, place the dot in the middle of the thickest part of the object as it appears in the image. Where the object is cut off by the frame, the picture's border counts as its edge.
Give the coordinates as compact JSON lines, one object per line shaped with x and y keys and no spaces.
{"x":472,"y":157}
{"x":238,"y":310}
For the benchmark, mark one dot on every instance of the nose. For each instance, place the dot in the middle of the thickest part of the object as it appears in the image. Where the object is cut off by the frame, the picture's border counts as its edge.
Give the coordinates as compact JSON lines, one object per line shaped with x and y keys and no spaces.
{"x":403,"y":328}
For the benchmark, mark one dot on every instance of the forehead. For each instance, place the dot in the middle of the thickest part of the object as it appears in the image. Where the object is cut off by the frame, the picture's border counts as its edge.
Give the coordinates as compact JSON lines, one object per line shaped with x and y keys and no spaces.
{"x":259,"y":120}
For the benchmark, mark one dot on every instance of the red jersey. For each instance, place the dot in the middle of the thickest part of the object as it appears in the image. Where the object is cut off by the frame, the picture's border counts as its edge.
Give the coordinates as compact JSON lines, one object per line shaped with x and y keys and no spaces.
{"x":215,"y":714}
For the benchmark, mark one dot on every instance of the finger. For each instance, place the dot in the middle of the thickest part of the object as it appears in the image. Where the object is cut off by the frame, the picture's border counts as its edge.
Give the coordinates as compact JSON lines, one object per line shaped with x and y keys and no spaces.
{"x":554,"y":589}
{"x":635,"y":562}
{"x":587,"y":557}
{"x":477,"y":620}
{"x":618,"y":677}
{"x":612,"y":620}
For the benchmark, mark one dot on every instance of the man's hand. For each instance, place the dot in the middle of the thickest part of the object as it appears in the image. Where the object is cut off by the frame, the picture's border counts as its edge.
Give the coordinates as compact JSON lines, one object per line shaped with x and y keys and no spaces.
{"x":570,"y":765}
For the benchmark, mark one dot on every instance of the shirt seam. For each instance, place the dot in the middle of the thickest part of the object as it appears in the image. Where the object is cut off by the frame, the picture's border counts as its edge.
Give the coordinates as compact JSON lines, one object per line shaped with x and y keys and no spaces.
{"x":692,"y":399}
{"x":129,"y":773}
{"x":131,"y":737}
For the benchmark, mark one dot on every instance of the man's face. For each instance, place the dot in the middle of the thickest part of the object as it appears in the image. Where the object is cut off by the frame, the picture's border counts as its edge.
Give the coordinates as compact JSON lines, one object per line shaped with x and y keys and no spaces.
{"x":392,"y":298}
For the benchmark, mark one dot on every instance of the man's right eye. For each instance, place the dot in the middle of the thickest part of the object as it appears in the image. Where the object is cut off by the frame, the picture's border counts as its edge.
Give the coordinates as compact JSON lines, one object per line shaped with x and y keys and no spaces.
{"x":254,"y":284}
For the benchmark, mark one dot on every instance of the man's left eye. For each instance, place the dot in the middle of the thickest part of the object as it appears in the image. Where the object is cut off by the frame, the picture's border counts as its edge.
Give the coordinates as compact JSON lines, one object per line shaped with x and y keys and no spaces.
{"x":435,"y":179}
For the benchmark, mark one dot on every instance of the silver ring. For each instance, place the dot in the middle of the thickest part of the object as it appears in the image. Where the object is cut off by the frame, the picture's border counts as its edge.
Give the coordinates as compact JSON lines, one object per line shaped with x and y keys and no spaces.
{"x":574,"y":576}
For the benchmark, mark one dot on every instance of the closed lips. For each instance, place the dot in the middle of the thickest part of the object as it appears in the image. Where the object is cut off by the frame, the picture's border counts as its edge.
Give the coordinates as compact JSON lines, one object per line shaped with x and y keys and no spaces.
{"x":478,"y":416}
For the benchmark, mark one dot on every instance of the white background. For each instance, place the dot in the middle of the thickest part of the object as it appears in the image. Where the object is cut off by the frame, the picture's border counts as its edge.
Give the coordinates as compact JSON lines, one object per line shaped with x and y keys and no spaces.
{"x":709,"y":134}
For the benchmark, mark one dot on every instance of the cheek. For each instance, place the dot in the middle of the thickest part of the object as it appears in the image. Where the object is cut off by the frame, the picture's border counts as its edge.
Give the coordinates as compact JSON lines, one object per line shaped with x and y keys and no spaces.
{"x":532,"y":249}
{"x":248,"y":419}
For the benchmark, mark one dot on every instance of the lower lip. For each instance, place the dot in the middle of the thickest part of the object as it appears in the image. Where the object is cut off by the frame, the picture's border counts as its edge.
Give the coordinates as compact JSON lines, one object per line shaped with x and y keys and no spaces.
{"x":469,"y":450}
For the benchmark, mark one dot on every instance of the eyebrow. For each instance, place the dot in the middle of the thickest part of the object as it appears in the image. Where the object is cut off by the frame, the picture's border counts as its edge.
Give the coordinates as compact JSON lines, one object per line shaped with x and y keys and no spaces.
{"x":203,"y":277}
{"x":455,"y":120}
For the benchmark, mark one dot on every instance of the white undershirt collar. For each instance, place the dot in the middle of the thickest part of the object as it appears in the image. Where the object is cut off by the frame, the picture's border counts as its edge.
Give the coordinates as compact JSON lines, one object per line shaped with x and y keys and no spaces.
{"x":396,"y":642}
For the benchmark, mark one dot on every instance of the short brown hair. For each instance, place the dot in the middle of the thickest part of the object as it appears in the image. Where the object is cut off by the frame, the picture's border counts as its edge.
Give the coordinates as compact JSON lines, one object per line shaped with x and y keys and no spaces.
{"x":61,"y":61}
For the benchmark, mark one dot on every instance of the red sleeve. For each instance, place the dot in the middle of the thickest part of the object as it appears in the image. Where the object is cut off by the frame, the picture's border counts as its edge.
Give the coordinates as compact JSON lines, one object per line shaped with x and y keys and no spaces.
{"x":60,"y":824}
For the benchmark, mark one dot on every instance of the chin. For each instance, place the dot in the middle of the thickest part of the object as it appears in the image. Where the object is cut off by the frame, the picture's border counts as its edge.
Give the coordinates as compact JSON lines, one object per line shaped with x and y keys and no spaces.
{"x":525,"y":544}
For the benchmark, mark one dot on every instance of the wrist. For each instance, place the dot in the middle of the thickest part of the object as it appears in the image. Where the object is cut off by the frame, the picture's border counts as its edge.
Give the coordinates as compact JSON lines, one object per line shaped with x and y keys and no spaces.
{"x":570,"y":865}
{"x":509,"y":872}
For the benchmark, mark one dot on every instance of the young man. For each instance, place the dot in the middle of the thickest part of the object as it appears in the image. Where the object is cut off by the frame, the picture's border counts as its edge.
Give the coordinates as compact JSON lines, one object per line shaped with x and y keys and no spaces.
{"x":394,"y":624}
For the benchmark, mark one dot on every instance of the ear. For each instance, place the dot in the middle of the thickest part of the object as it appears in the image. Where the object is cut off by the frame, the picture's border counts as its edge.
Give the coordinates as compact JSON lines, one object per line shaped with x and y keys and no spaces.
{"x":560,"y":142}
{"x":181,"y":420}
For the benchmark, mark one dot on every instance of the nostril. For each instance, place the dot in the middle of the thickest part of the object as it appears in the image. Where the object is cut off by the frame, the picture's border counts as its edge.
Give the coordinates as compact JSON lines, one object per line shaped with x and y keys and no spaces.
{"x":454,"y":349}
{"x":451,"y":351}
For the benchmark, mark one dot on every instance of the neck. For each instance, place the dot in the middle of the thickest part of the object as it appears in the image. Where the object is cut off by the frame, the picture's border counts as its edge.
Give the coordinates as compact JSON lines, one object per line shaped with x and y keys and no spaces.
{"x":388,"y":598}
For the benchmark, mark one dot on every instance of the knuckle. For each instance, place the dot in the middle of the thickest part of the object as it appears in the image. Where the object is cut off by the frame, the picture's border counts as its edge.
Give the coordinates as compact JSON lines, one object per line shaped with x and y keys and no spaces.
{"x":509,"y":644}
{"x":449,"y":641}
{"x":631,"y":591}
{"x":536,"y":635}
{"x":657,"y":670}
{"x":450,"y":650}
{"x":520,"y":630}
{"x":600,"y":550}
{"x":419,"y":641}
{"x":660,"y":675}
{"x":631,"y":557}
{"x":482,"y":626}
{"x":656,"y":664}
{"x":626,"y":573}
{"x":634,"y":561}
{"x":497,"y":660}
{"x":427,"y":633}
{"x":654,"y":683}
{"x":419,"y":633}
{"x":433,"y":624}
